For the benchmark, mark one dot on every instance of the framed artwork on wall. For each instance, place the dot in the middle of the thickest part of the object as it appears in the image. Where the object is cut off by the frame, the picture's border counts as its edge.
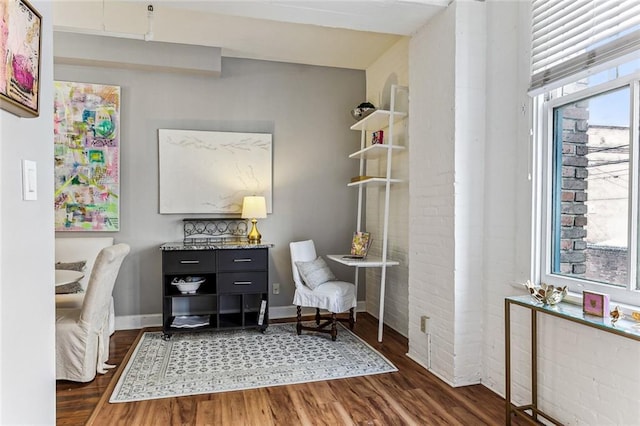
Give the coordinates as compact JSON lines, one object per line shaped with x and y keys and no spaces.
{"x":87,"y":156}
{"x":211,"y":172}
{"x":20,"y":44}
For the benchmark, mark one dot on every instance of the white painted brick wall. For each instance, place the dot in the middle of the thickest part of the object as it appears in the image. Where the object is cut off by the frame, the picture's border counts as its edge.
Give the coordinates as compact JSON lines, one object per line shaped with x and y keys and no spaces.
{"x":431,"y":200}
{"x":470,"y":95}
{"x":391,"y":68}
{"x":447,"y":174}
{"x":587,"y":377}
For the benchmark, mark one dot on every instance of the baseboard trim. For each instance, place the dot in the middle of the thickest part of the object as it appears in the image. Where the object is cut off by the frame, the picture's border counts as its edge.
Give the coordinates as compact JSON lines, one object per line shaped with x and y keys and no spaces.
{"x":131,"y":322}
{"x":441,"y":377}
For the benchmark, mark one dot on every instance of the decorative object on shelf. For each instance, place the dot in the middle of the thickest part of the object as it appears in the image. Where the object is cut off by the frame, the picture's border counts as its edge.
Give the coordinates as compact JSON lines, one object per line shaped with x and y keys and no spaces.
{"x":214,"y":231}
{"x":377,"y":137}
{"x":616,"y":314}
{"x":254,"y":207}
{"x":190,"y":321}
{"x":188,"y":285}
{"x":545,"y":293}
{"x":20,"y":41}
{"x":594,"y":303}
{"x":360,"y":244}
{"x":362,"y":110}
{"x":86,"y":149}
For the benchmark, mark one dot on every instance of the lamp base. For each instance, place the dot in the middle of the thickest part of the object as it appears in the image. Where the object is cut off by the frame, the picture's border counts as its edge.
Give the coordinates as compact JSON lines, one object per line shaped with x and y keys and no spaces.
{"x":254,"y":236}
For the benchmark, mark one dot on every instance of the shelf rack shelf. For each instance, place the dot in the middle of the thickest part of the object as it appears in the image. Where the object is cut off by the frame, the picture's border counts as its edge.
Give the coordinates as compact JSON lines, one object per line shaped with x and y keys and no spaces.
{"x":379,"y":119}
{"x":374,"y":152}
{"x":374,"y":181}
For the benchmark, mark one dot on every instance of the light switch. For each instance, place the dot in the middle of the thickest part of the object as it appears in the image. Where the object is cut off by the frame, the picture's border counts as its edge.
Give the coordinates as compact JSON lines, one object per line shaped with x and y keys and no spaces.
{"x":29,"y":180}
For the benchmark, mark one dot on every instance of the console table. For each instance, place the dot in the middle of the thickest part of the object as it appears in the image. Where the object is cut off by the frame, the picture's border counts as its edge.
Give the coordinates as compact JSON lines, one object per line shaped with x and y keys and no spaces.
{"x":234,"y":294}
{"x":562,"y":310}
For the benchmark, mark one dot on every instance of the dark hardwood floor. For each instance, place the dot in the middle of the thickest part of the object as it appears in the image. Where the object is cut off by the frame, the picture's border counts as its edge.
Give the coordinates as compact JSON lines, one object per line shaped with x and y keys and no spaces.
{"x":410,"y":396}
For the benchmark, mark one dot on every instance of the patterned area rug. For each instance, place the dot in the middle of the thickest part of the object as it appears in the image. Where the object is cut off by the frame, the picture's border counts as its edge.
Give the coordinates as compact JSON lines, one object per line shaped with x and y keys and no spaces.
{"x":208,"y":362}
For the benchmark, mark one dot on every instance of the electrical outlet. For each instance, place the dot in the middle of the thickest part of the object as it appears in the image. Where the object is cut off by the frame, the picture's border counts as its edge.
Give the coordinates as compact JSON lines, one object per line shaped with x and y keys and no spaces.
{"x":424,"y":324}
{"x":276,"y":288}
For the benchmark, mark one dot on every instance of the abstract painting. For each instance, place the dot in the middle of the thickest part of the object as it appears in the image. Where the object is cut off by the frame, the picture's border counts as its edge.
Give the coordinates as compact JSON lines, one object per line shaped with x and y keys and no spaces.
{"x":20,"y":33}
{"x":87,"y":156}
{"x":211,"y":172}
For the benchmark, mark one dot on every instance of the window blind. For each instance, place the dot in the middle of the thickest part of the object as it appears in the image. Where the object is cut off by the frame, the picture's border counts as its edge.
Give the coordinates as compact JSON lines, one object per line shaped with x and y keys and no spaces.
{"x":571,"y":36}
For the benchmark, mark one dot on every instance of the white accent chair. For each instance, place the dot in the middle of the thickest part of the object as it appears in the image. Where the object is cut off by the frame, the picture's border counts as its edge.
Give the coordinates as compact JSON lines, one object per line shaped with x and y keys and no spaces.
{"x":333,"y":296}
{"x":82,"y":335}
{"x":75,"y":249}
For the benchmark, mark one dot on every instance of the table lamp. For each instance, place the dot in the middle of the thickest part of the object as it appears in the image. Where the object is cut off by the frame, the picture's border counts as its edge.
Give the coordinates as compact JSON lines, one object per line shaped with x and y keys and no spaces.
{"x":254,"y":207}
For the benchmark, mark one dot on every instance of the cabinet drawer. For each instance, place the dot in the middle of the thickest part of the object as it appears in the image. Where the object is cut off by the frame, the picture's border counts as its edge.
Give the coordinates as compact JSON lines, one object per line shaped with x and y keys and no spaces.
{"x":242,"y":282}
{"x":242,"y":260}
{"x":188,"y":261}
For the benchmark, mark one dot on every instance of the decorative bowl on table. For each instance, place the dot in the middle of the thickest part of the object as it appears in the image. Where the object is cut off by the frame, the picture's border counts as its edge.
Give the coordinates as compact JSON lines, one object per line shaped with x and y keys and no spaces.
{"x":187,"y":285}
{"x":546,"y":293}
{"x":362,"y":110}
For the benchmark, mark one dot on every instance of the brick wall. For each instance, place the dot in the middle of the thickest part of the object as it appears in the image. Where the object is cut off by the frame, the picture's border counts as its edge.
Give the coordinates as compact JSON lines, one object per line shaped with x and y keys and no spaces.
{"x":431,"y":190}
{"x":446,"y":194}
{"x":573,"y":216}
{"x":606,"y":263}
{"x":587,"y":377}
{"x":390,"y":68}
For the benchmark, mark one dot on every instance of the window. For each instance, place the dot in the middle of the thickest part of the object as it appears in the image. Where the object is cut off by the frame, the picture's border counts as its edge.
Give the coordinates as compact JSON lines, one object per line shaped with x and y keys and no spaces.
{"x":590,"y":192}
{"x":585,"y":76}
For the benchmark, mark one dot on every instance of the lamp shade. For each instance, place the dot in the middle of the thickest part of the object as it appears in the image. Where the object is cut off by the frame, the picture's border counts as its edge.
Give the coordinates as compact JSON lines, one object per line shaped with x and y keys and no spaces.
{"x":254,"y":207}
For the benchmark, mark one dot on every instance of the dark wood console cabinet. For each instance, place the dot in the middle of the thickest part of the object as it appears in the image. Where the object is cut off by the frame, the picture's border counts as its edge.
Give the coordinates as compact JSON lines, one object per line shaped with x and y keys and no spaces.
{"x":234,"y":294}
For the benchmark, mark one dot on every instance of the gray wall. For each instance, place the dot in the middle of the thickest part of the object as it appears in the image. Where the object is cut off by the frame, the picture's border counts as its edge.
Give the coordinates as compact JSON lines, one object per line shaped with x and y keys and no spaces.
{"x":306,"y":108}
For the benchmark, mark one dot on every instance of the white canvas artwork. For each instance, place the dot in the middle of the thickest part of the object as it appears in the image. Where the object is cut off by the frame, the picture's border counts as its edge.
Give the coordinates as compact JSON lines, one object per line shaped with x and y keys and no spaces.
{"x":211,"y":172}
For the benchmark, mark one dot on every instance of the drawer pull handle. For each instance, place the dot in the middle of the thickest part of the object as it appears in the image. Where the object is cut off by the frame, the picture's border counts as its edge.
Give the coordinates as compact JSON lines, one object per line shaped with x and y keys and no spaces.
{"x":242,"y":283}
{"x":189,"y":261}
{"x":246,"y":259}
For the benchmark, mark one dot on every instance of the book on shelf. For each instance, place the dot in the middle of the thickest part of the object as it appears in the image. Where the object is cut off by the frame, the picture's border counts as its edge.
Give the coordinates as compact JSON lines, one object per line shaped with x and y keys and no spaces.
{"x":377,"y":137}
{"x":360,"y":244}
{"x":190,"y":321}
{"x":263,"y":310}
{"x":360,"y":178}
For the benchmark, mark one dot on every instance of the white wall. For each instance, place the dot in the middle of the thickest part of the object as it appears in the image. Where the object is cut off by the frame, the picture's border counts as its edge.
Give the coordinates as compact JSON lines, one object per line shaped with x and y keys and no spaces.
{"x":508,"y":190}
{"x":27,"y":318}
{"x":431,"y":201}
{"x":390,"y":68}
{"x":586,"y":376}
{"x":447,"y":172}
{"x":470,"y":97}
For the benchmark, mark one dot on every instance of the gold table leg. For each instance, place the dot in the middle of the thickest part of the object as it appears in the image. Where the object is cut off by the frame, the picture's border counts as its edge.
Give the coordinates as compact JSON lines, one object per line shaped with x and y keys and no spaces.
{"x":507,"y":360}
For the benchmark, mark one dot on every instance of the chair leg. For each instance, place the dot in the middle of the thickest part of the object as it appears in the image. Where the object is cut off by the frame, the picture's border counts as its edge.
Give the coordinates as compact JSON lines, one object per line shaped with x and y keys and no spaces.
{"x":318,"y":316}
{"x":334,"y":329}
{"x":351,"y":320}
{"x":299,"y":324}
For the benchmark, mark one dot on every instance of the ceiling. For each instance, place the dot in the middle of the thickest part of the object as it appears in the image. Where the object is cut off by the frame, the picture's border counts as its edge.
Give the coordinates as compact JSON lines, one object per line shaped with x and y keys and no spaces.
{"x":337,"y":33}
{"x":400,"y":17}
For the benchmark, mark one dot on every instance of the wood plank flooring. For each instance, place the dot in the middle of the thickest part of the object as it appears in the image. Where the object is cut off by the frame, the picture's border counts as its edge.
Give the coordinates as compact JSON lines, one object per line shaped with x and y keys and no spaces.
{"x":411,"y":396}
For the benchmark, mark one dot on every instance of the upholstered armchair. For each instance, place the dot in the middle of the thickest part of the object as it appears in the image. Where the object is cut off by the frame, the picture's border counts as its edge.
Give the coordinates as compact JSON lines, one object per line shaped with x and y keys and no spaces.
{"x":82,"y":335}
{"x":317,"y":287}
